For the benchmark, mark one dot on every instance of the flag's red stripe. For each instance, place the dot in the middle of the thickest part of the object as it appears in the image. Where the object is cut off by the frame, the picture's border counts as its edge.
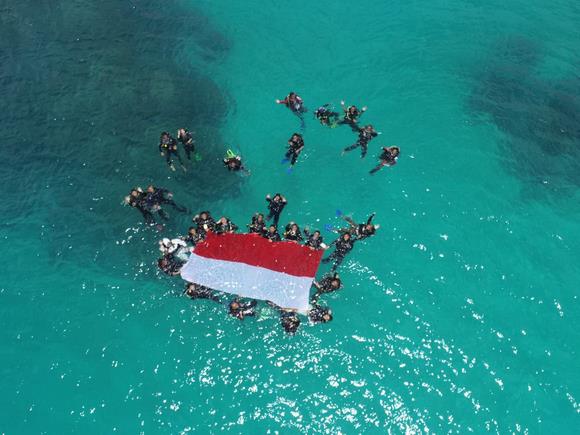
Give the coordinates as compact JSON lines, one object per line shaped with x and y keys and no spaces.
{"x":252,"y":249}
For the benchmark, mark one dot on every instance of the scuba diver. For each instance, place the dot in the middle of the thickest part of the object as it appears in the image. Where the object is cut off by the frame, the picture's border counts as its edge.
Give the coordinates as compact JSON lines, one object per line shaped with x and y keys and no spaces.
{"x":193,"y":236}
{"x":293,"y":232}
{"x":172,"y":246}
{"x":167,"y":148}
{"x":258,"y":224}
{"x":296,"y":105}
{"x":160,"y":196}
{"x":275,"y":206}
{"x":362,"y":231}
{"x":224,"y":225}
{"x":289,"y":321}
{"x":318,"y":314}
{"x":343,"y":245}
{"x":240,"y":310}
{"x":365,"y":135}
{"x":288,"y":318}
{"x":186,"y":139}
{"x":328,"y":284}
{"x":326,"y":116}
{"x":351,"y":115}
{"x":136,"y":199}
{"x":170,"y":264}
{"x":314,"y":240}
{"x":234,"y":163}
{"x":387,"y":158}
{"x":272,"y":234}
{"x":196,"y":291}
{"x":204,"y":222}
{"x":295,"y":147}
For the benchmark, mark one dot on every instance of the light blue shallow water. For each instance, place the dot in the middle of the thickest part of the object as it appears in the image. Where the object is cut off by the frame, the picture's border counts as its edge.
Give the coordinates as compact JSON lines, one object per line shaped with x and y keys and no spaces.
{"x":460,"y":315}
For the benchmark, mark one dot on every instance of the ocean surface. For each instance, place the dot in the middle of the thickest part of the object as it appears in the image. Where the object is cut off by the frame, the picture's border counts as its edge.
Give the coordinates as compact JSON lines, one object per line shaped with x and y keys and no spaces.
{"x":461,"y":314}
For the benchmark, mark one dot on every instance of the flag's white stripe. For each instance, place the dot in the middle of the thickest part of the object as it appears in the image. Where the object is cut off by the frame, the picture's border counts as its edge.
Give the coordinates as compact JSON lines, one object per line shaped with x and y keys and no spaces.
{"x":254,"y":282}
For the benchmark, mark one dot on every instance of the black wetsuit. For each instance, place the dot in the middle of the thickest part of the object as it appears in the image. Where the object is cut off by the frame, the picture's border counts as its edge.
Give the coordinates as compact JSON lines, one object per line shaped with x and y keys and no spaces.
{"x":139,"y":203}
{"x":194,"y":239}
{"x":290,"y":321}
{"x":351,"y":118}
{"x":326,"y":116}
{"x":364,"y":137}
{"x":275,"y":208}
{"x":289,"y":234}
{"x":237,"y":166}
{"x":228,"y":227}
{"x":274,"y":237}
{"x":342,"y":247}
{"x":209,"y":221}
{"x":294,"y":149}
{"x":161,"y":196}
{"x":257,"y":227}
{"x":173,"y":265}
{"x":245,"y":309}
{"x":317,"y":313}
{"x":188,"y":144}
{"x":195,"y":291}
{"x":168,"y":146}
{"x":386,"y":159}
{"x":311,"y":241}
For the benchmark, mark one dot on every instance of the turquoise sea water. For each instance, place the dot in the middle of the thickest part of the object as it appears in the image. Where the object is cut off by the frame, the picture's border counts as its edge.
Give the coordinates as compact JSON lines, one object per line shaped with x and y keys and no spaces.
{"x":462,"y":314}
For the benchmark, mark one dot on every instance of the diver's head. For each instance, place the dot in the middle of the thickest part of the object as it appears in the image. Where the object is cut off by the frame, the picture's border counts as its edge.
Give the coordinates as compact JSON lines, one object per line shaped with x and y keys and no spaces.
{"x":260,"y":217}
{"x":335,"y":283}
{"x":204,"y":215}
{"x":277,"y":197}
{"x":181,"y":131}
{"x":316,"y":235}
{"x":346,"y":236}
{"x":352,"y":110}
{"x":395,"y":151}
{"x":150,"y":188}
{"x":234,"y":305}
{"x":164,"y":135}
{"x":192,"y":231}
{"x":294,"y":227}
{"x":223,"y":220}
{"x":272,"y":229}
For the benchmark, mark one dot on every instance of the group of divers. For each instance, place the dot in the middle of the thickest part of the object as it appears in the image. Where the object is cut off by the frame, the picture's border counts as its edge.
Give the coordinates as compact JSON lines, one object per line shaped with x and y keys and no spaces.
{"x":326,"y":115}
{"x":151,"y":202}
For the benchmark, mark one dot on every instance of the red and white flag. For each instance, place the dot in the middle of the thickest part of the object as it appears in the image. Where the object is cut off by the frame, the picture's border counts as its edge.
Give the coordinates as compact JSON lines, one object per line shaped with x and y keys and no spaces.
{"x":251,"y":266}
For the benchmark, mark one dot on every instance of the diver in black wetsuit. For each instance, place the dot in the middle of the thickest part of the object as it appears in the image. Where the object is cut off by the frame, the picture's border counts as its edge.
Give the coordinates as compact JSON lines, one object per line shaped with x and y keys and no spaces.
{"x":343,"y":245}
{"x":365,"y":135}
{"x":195,"y":291}
{"x":258,"y":224}
{"x":351,"y":115}
{"x":387,"y":158}
{"x":293,"y":232}
{"x":193,"y":236}
{"x":314,"y":240}
{"x":288,"y":318}
{"x":204,"y":222}
{"x":272,"y":234}
{"x":186,"y":139}
{"x":326,"y":116}
{"x":224,"y":225}
{"x":168,"y":148}
{"x":318,"y":314}
{"x":240,"y":310}
{"x":295,"y":147}
{"x":170,"y":265}
{"x":328,"y":284}
{"x":161,"y":196}
{"x":296,"y":105}
{"x":362,"y":231}
{"x":136,"y":199}
{"x":275,"y":206}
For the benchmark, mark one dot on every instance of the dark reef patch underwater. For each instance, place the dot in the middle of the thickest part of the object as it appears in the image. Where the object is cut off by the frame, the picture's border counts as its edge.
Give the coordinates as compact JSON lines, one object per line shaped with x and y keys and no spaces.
{"x":128,"y":76}
{"x":539,"y":115}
